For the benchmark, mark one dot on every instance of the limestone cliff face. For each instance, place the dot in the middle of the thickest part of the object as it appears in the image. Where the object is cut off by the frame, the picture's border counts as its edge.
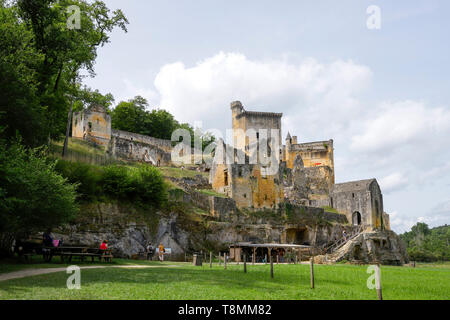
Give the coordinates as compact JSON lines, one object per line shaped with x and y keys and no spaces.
{"x":129,"y":229}
{"x":383,"y":247}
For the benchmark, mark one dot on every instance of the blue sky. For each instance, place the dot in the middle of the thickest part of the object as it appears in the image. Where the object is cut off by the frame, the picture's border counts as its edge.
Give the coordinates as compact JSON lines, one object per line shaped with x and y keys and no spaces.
{"x":382,"y":95}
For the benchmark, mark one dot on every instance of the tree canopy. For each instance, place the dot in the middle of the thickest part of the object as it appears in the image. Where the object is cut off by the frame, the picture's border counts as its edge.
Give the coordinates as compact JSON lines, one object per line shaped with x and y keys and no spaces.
{"x":42,"y":60}
{"x":133,"y":116}
{"x":425,"y":244}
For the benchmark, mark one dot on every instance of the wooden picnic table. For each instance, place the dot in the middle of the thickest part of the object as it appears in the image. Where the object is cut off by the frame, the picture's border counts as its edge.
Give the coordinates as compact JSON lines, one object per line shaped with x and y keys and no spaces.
{"x":80,"y":252}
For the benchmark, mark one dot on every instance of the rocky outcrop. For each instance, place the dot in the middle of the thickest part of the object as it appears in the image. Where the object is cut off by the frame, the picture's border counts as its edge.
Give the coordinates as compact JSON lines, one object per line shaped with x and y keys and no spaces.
{"x":384,"y":247}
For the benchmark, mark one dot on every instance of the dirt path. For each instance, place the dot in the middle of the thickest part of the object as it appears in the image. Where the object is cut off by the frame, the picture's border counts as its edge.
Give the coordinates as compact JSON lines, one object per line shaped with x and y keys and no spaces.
{"x":36,"y":272}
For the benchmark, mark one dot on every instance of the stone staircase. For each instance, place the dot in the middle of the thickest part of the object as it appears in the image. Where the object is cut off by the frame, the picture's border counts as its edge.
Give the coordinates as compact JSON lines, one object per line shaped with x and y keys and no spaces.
{"x":341,"y":242}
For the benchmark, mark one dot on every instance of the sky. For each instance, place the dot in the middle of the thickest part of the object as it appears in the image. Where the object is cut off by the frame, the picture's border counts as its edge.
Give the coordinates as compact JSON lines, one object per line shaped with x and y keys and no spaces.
{"x":381,"y":94}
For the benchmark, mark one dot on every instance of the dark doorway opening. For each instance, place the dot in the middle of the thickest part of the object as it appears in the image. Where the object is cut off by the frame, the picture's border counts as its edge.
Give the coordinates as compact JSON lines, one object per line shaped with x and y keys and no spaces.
{"x":356,"y":218}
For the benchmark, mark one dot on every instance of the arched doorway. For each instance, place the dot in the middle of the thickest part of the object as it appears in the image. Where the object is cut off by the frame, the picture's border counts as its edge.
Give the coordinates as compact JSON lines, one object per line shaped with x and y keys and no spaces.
{"x":356,"y":218}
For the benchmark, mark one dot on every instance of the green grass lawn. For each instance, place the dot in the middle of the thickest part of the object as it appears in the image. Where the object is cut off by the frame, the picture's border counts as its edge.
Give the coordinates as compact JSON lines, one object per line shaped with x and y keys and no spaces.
{"x":336,"y":282}
{"x":180,"y":173}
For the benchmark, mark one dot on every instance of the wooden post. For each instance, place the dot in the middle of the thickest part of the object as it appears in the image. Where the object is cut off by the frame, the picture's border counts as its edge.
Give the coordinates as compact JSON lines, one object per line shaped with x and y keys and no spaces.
{"x":312,"y":272}
{"x":271,"y":267}
{"x":296,"y":258}
{"x":225,"y":260}
{"x":254,"y":256}
{"x":245,"y":263}
{"x":66,"y":140}
{"x":220,"y":258}
{"x":210,"y":259}
{"x":278,"y":258}
{"x":378,"y":281}
{"x":265,"y":260}
{"x":414,"y":264}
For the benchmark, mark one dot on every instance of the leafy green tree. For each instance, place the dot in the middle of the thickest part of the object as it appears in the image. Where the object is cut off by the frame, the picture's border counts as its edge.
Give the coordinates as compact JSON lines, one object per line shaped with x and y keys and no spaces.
{"x":84,"y":97}
{"x":33,"y":197}
{"x":20,"y":109}
{"x":425,"y":244}
{"x":42,"y":59}
{"x":130,"y":116}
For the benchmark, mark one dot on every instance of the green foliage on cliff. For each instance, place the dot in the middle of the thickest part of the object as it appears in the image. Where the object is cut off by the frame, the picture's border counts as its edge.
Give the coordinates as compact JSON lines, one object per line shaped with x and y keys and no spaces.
{"x":142,"y":184}
{"x":33,"y":196}
{"x":425,"y":244}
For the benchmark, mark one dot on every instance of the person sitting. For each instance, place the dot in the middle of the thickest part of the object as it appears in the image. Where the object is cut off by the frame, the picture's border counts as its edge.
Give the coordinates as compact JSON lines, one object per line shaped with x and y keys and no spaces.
{"x":47,"y":238}
{"x":104,"y":246}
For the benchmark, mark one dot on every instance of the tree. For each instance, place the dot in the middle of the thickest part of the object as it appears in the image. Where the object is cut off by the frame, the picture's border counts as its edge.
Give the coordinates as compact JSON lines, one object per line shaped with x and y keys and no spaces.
{"x":42,"y":59}
{"x":20,"y":110}
{"x":425,"y":244}
{"x":33,"y":197}
{"x":130,"y":116}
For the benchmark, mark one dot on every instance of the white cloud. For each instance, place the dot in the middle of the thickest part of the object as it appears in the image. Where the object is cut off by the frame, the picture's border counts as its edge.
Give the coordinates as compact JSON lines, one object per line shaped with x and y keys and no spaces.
{"x":393,"y":182}
{"x":204,"y":91}
{"x":394,"y":125}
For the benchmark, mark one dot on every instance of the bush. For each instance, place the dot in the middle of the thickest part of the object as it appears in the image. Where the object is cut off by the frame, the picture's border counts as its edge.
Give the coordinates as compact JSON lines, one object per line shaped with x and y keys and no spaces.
{"x":149,"y":185}
{"x":88,"y":177}
{"x":117,"y":182}
{"x":33,"y":196}
{"x":143,"y":184}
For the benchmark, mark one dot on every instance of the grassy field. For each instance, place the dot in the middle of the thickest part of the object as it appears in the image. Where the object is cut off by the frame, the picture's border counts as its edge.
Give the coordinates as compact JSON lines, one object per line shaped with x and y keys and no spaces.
{"x":291,"y":282}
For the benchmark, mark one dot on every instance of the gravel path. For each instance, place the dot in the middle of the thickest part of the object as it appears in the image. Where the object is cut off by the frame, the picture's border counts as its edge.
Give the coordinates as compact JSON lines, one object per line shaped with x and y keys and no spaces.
{"x":36,"y":272}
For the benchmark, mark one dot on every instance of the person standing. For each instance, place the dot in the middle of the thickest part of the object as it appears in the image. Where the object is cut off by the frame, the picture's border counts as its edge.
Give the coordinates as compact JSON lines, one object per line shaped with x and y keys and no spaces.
{"x":344,"y":234}
{"x":149,"y":251}
{"x":161,"y":252}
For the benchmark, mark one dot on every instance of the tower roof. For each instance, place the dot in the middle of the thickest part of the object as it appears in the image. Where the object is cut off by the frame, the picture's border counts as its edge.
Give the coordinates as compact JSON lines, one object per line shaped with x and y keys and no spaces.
{"x":288,"y":136}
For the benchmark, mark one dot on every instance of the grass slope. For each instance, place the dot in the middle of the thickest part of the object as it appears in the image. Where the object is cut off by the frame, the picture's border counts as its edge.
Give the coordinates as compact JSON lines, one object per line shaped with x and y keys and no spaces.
{"x":291,"y":282}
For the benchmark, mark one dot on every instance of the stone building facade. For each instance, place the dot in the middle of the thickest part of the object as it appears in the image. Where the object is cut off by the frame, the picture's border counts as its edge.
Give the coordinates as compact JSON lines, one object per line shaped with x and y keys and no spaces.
{"x":362,"y":203}
{"x":93,"y":124}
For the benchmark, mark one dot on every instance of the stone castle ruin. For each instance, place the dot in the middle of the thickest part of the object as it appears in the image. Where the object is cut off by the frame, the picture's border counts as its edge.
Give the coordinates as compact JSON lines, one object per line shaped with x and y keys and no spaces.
{"x":300,"y":203}
{"x":94,"y":125}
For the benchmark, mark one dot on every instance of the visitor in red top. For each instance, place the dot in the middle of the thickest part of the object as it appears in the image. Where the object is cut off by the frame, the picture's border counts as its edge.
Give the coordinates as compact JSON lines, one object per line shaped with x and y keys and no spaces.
{"x":104,"y":245}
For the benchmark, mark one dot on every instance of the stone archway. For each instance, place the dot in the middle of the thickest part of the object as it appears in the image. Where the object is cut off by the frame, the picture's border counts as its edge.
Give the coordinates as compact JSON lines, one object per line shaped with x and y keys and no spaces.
{"x":356,"y":219}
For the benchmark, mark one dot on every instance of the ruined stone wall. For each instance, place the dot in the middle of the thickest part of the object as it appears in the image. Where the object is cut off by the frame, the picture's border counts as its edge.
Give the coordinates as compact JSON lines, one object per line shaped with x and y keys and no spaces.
{"x":220,"y":178}
{"x":313,"y":154}
{"x":165,"y":145}
{"x":314,"y":184}
{"x":352,"y":202}
{"x":93,"y":124}
{"x":377,"y":206}
{"x":250,"y":187}
{"x":363,"y":197}
{"x":387,"y":221}
{"x":122,"y":148}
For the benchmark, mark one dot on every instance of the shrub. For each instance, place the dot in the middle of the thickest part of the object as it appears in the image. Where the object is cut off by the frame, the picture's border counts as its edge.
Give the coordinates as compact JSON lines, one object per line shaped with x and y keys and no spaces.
{"x":149,"y":185}
{"x":117,"y":182}
{"x":33,"y":196}
{"x":88,"y":177}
